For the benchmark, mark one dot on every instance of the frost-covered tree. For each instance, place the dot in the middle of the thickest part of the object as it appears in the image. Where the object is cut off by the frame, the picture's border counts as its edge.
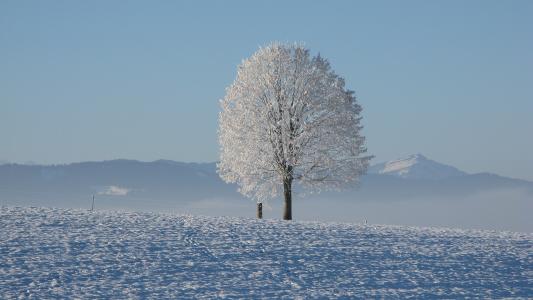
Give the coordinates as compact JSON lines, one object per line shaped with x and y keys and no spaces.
{"x":288,"y":118}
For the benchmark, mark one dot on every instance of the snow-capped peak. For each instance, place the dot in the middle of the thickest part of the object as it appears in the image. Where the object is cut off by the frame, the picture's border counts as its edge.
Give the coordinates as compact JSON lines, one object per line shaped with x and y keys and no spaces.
{"x":403,"y":165}
{"x":416,"y":166}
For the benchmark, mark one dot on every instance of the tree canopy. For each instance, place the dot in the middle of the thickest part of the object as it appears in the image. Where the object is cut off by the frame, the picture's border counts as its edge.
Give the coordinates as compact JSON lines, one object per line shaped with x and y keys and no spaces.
{"x":288,"y":117}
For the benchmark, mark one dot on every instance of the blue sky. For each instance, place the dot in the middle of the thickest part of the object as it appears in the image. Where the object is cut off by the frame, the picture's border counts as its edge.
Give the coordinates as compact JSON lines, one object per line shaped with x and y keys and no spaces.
{"x":96,"y":80}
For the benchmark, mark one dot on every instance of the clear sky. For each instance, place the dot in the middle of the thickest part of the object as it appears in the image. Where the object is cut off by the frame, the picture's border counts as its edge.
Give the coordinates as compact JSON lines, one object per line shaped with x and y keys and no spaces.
{"x":96,"y":80}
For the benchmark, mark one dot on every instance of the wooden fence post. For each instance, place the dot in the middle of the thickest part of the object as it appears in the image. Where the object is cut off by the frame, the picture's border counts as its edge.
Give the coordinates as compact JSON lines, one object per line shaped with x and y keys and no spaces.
{"x":259,"y":210}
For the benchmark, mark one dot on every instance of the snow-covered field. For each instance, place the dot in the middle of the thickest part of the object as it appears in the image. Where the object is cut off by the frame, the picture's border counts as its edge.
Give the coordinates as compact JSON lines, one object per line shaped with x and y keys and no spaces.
{"x":51,"y":253}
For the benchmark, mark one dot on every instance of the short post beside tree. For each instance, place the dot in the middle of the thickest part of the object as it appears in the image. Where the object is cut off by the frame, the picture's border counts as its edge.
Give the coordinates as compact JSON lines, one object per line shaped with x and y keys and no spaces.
{"x":259,"y":210}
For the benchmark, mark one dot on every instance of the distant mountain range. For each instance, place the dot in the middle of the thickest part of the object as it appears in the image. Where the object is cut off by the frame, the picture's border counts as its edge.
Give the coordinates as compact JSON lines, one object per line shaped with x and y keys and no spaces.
{"x":402,"y":186}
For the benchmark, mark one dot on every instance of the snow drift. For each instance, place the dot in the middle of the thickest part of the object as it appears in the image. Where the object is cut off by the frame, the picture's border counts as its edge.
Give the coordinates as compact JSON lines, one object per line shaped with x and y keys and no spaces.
{"x":56,"y":253}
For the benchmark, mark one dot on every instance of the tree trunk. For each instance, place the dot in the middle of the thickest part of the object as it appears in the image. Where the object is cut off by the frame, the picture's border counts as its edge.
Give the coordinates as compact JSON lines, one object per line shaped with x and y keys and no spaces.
{"x":287,"y":192}
{"x":259,"y":210}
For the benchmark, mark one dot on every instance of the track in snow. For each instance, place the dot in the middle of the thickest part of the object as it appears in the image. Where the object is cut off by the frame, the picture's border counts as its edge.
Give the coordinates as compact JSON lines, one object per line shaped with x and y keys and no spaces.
{"x":49,"y":253}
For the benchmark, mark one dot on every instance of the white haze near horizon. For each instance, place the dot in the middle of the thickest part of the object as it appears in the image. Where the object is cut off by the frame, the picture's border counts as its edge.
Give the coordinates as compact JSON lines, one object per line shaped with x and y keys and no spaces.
{"x":501,"y":210}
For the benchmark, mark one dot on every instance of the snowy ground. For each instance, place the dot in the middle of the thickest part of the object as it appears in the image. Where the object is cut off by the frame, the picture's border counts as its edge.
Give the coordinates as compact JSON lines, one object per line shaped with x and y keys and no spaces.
{"x":51,"y":253}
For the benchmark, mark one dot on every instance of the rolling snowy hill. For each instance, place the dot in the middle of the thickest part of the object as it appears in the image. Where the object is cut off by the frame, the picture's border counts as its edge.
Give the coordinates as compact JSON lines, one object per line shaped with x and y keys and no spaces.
{"x":56,"y":253}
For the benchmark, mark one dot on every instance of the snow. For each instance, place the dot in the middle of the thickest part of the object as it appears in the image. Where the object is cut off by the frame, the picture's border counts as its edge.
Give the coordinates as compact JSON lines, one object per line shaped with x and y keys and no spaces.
{"x":400,"y":166}
{"x":416,"y":166}
{"x":58,"y":253}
